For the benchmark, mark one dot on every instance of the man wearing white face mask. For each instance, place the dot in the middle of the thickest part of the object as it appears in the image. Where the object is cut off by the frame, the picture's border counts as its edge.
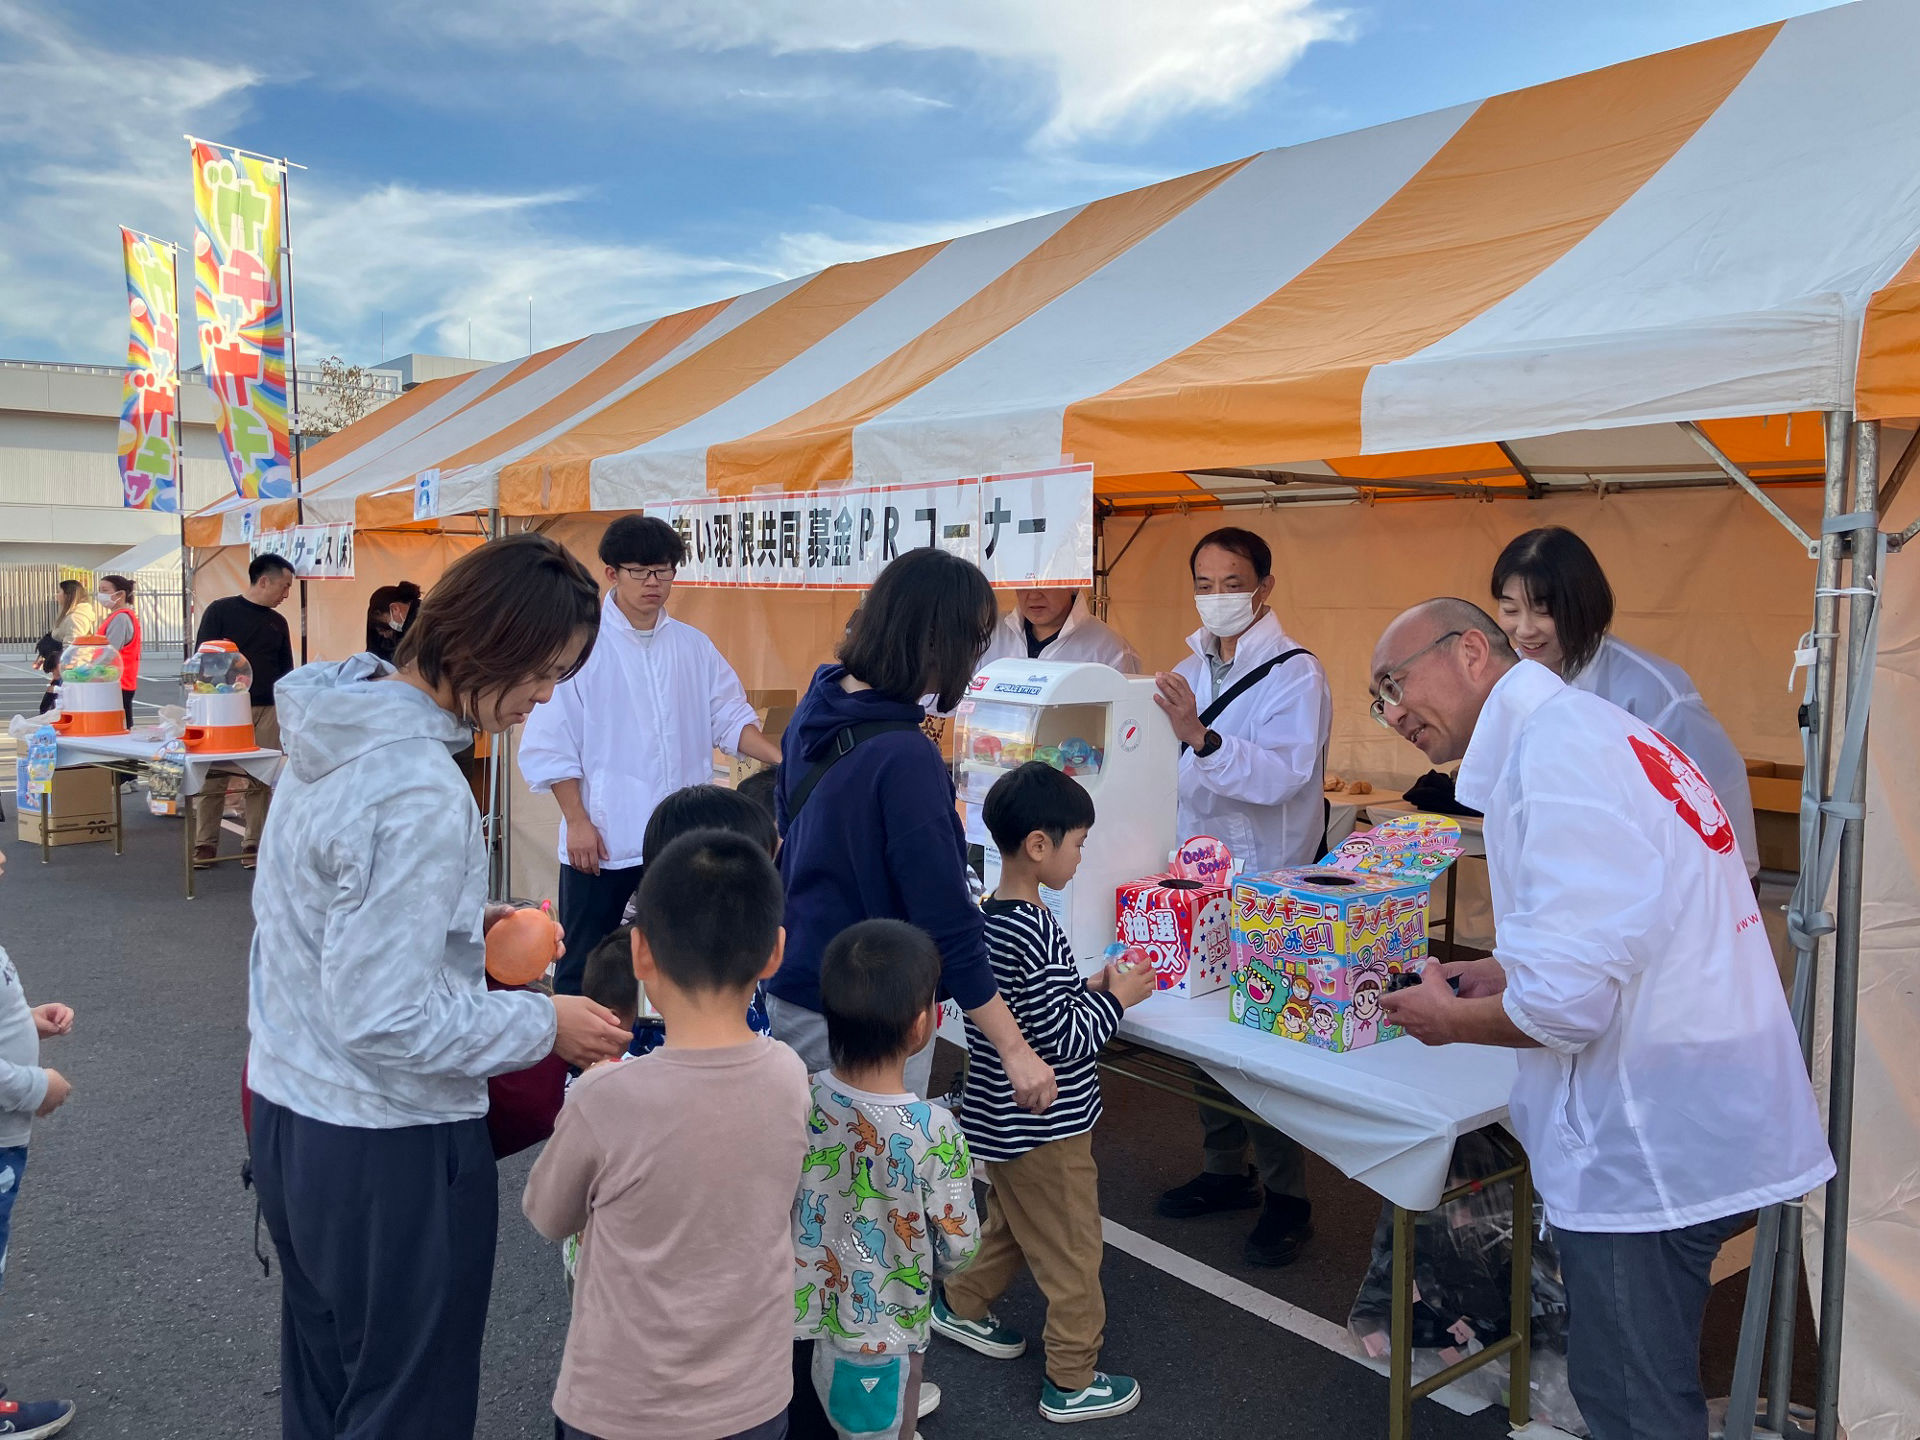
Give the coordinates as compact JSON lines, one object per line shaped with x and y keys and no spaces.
{"x":1253,"y":711}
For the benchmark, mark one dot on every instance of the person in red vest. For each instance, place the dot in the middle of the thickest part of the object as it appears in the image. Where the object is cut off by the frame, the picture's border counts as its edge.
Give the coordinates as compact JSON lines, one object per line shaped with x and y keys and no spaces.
{"x":123,"y":633}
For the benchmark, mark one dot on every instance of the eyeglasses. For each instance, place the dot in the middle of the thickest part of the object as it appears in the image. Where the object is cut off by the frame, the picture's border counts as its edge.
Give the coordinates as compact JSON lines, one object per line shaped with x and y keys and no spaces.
{"x":1387,"y":690}
{"x":643,"y":573}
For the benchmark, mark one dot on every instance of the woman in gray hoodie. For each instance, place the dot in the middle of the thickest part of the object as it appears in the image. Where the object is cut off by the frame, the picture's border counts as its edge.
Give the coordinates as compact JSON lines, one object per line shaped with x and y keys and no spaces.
{"x":373,"y":1032}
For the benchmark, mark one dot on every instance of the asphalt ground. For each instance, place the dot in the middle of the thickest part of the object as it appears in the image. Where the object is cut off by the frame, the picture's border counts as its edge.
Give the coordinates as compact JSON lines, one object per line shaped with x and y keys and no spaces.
{"x":132,"y":1286}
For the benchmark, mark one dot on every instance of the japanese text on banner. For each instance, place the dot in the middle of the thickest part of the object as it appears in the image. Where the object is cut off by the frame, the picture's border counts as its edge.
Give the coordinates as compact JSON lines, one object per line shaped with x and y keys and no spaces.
{"x":1020,"y":530}
{"x":149,"y":396}
{"x":316,"y":552}
{"x":241,"y":314}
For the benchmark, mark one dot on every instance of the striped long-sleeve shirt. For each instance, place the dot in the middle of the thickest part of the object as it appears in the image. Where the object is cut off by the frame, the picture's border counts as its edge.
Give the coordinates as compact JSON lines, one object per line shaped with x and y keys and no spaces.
{"x":1064,"y":1021}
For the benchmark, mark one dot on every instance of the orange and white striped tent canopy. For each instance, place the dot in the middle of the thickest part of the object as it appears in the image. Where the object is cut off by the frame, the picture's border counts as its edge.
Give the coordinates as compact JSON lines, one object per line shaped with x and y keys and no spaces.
{"x":1724,"y":233}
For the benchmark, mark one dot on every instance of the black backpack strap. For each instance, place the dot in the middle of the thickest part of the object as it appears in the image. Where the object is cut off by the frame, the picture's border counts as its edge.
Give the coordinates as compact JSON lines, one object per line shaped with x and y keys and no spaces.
{"x":843,"y":744}
{"x":1245,"y":683}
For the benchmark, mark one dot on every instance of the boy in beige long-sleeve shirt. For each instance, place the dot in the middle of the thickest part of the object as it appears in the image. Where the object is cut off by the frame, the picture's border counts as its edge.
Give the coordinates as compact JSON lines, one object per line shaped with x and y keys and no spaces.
{"x":680,"y":1168}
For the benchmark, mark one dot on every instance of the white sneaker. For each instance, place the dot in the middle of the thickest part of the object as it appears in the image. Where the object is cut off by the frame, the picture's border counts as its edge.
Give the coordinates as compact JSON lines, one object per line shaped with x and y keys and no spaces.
{"x":929,"y":1399}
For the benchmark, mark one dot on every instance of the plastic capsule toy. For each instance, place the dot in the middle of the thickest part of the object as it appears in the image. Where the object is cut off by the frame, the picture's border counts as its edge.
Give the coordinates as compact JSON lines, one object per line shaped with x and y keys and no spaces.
{"x":1049,"y":755}
{"x":1077,"y":754}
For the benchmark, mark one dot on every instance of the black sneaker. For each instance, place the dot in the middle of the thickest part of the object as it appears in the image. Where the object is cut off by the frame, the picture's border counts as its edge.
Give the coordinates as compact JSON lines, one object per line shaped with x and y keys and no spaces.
{"x":1281,"y":1233}
{"x":35,"y":1419}
{"x":1208,"y":1194}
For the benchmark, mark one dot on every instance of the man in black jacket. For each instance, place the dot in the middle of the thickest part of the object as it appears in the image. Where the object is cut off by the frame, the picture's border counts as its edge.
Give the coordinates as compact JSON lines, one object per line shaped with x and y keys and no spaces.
{"x":252,"y":622}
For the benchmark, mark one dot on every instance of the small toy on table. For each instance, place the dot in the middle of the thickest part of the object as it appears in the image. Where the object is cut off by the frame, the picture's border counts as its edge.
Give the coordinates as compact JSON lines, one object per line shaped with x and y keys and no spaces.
{"x":1180,"y":918}
{"x":1316,"y":947}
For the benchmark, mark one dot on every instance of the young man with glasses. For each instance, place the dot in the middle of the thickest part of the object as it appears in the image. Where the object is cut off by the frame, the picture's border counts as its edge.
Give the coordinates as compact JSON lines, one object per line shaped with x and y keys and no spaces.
{"x":639,"y":722}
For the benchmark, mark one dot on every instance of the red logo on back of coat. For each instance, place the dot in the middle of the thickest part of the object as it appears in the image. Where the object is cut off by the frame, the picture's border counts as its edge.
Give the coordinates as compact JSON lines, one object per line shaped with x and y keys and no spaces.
{"x":1675,"y":777}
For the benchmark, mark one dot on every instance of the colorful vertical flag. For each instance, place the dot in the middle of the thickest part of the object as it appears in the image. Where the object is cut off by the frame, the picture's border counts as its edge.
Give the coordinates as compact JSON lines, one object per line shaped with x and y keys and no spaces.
{"x":242,"y":313}
{"x":149,"y":397}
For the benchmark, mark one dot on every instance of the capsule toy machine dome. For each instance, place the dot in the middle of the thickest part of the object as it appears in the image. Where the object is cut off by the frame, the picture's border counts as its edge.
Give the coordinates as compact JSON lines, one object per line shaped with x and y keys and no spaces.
{"x":90,"y":704}
{"x":1103,"y":729}
{"x":218,"y":683}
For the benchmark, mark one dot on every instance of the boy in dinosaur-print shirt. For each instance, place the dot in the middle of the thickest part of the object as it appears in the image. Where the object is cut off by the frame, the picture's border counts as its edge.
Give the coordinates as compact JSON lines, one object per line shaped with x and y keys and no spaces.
{"x":885,"y":1203}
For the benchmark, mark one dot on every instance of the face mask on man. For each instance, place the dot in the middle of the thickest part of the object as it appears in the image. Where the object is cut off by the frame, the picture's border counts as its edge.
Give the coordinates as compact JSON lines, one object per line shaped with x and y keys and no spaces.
{"x":1225,"y":616}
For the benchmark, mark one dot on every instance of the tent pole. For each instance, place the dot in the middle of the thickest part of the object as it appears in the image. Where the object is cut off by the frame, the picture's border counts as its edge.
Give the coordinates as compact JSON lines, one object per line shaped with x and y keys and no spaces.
{"x":1846,"y":951}
{"x":1826,"y":628}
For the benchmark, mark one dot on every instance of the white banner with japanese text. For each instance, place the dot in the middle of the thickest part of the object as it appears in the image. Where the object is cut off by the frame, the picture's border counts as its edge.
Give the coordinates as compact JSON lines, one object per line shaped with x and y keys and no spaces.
{"x":1030,"y":529}
{"x":316,"y":552}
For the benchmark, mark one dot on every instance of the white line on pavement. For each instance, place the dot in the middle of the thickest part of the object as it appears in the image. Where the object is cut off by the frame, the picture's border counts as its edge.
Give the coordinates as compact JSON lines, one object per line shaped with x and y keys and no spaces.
{"x":1271,"y":1308}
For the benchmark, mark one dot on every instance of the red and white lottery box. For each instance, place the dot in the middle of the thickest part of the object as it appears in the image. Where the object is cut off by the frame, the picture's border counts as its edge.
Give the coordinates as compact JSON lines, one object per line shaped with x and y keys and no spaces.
{"x":1183,"y":918}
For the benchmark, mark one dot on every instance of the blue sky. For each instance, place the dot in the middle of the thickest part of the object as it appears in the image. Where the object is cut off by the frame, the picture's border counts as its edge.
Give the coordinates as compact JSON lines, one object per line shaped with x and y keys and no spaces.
{"x":620,"y":159}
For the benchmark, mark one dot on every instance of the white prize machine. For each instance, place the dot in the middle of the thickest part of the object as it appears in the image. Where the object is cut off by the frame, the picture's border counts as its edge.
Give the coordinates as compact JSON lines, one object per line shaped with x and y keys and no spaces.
{"x":1103,"y":729}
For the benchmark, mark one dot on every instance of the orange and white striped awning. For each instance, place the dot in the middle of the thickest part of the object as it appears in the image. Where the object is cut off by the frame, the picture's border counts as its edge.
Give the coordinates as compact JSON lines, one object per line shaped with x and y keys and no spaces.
{"x":1719,"y":233}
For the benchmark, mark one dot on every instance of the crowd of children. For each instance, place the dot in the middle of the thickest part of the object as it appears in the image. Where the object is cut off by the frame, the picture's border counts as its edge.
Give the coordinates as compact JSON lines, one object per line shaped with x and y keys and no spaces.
{"x":759,"y":1253}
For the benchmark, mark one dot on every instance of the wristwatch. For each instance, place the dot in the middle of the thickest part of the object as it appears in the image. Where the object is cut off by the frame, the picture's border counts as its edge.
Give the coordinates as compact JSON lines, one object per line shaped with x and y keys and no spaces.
{"x":1209,"y":745}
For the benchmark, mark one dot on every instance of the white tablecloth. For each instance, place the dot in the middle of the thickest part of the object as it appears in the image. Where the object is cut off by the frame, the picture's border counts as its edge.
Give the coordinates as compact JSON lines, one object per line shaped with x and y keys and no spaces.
{"x":1386,"y":1115}
{"x":142,"y":745}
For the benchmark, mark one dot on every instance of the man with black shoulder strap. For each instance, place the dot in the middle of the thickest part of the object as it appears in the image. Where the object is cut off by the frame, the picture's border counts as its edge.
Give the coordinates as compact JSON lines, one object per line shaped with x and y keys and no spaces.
{"x":1252,"y":711}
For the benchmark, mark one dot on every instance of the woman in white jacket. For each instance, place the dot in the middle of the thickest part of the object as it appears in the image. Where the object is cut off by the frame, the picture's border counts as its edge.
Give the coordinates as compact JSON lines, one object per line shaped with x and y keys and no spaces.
{"x":1555,"y":605}
{"x":373,"y":1032}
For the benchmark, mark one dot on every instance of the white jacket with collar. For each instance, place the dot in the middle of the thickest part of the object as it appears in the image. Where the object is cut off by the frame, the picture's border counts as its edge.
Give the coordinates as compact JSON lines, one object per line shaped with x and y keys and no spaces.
{"x":639,"y":722}
{"x":1661,"y":693}
{"x":1263,"y":790}
{"x":1083,"y":637}
{"x":1668,"y":1089}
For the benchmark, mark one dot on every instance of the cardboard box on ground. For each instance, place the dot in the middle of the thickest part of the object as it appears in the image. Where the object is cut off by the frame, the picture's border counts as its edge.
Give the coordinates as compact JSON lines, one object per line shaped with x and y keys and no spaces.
{"x":79,"y":808}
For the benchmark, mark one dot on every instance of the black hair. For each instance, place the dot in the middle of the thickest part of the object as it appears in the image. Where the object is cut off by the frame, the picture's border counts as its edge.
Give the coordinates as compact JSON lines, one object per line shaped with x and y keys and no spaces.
{"x":1244,"y":543}
{"x":266,"y":565}
{"x":118,"y":582}
{"x":1035,"y":797}
{"x":705,"y":807}
{"x":502,"y":613}
{"x":1559,"y":574}
{"x":876,"y":979}
{"x":710,"y":906}
{"x":608,"y":978}
{"x":760,"y":787}
{"x":922,"y":628}
{"x":641,"y":540}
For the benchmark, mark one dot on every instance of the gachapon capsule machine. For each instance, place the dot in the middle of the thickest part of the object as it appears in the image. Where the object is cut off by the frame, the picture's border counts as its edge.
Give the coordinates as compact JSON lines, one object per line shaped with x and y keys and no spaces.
{"x":1103,"y":729}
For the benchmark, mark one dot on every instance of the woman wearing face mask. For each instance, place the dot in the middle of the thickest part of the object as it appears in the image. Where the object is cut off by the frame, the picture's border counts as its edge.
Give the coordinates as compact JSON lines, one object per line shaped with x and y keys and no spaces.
{"x":1251,"y":774}
{"x":388,"y":610}
{"x":1555,"y":604}
{"x":115,"y":599}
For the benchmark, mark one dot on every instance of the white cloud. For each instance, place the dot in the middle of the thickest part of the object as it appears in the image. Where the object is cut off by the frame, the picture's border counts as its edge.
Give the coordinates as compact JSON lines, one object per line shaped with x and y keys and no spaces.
{"x":1114,"y":68}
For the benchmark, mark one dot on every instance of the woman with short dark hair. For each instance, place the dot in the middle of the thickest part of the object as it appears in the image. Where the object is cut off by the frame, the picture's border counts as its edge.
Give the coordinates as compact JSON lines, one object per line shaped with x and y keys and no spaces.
{"x":373,"y":1031}
{"x":1555,"y":604}
{"x":866,"y":808}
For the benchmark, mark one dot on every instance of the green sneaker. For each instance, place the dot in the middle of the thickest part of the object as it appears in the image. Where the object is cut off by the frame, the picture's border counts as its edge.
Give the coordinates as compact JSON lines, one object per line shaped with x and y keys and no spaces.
{"x":1107,"y":1395}
{"x":988,"y":1336}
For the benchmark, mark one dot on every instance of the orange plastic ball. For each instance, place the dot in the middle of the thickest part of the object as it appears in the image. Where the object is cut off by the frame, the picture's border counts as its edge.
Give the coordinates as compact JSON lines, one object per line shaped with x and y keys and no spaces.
{"x":521,"y":946}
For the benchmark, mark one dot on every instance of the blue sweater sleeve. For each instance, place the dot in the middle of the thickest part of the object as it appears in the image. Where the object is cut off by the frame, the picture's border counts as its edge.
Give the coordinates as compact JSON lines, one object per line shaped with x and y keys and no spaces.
{"x":926,"y":854}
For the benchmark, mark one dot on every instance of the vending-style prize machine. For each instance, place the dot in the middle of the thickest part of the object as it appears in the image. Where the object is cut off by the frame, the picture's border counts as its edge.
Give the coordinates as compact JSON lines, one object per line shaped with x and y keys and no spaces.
{"x":1103,"y":729}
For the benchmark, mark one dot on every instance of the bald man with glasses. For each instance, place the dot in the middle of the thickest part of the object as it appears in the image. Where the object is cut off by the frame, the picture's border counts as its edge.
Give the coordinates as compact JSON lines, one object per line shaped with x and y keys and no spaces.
{"x":1661,"y":1094}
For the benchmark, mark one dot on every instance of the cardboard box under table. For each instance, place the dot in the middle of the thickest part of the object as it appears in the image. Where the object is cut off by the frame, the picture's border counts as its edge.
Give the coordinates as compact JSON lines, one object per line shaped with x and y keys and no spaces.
{"x":78,"y":810}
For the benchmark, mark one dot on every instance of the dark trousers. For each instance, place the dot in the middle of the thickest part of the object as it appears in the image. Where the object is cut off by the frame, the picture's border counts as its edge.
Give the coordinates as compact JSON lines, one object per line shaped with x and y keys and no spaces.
{"x":386,"y":1263}
{"x":1635,"y":1305}
{"x":590,"y":910}
{"x":126,"y":706}
{"x":1281,"y":1162}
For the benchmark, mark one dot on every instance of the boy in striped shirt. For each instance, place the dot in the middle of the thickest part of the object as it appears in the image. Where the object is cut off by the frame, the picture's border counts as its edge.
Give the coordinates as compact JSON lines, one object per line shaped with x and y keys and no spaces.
{"x":1043,"y":1205}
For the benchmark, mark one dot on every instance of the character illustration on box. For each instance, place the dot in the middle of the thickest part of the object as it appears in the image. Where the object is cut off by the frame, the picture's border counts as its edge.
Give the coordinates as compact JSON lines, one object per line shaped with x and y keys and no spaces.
{"x":1361,"y":1024}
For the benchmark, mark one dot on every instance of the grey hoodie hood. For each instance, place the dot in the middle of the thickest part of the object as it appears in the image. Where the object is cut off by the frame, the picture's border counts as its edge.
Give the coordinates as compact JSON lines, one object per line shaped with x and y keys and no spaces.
{"x":334,"y":713}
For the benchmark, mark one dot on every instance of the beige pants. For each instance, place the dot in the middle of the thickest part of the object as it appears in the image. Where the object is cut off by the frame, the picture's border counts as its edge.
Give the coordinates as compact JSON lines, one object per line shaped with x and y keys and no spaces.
{"x":211,"y":802}
{"x":1043,"y":1211}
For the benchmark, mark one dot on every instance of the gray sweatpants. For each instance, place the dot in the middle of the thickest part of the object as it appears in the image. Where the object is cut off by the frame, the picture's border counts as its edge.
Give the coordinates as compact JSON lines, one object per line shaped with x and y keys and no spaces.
{"x":1635,"y":1305}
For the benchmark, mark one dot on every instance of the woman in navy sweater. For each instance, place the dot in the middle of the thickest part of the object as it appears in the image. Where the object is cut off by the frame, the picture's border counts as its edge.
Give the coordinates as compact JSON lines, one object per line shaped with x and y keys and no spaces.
{"x":878,"y":837}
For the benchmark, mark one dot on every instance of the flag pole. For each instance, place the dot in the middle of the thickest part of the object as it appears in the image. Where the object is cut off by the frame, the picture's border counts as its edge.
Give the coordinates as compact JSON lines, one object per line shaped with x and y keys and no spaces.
{"x":180,"y":469}
{"x":294,"y":422}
